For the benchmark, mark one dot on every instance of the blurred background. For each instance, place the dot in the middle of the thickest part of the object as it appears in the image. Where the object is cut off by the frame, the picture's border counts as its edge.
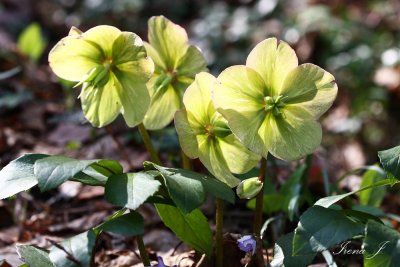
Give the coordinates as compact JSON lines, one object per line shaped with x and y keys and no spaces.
{"x":357,"y":41}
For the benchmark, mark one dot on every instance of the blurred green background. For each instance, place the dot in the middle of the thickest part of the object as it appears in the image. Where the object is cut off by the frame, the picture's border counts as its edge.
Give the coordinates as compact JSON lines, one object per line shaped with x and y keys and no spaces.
{"x":357,"y":41}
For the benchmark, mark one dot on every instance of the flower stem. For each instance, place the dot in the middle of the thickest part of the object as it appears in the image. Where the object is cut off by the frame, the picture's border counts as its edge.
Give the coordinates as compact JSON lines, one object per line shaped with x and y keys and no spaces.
{"x":259,"y":200}
{"x":142,"y":250}
{"x":186,"y":161}
{"x":149,"y":145}
{"x":218,"y":233}
{"x":258,"y":259}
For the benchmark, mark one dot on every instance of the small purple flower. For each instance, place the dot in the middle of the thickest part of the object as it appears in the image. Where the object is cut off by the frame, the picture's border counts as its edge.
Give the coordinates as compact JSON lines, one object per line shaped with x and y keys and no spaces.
{"x":247,"y":243}
{"x":160,"y":263}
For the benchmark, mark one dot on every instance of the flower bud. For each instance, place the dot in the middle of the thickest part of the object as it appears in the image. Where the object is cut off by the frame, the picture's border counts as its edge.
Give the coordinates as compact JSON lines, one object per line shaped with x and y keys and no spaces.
{"x":249,"y":188}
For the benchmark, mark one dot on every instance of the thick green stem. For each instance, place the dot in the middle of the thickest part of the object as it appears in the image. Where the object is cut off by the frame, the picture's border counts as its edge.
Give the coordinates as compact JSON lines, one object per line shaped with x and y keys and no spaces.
{"x":259,"y":200}
{"x":142,"y":250}
{"x":219,"y":254}
{"x":149,"y":145}
{"x":186,"y":161}
{"x":258,"y":260}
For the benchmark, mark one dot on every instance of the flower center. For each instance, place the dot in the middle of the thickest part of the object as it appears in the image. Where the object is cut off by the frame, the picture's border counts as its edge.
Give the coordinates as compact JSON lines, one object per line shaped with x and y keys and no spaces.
{"x":274,"y":104}
{"x":219,"y":129}
{"x":108,"y":64}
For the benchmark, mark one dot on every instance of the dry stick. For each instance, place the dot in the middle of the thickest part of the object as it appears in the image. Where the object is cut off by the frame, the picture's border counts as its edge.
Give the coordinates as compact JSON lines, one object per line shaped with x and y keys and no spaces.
{"x":69,"y":255}
{"x":142,"y":250}
{"x":96,"y":246}
{"x":120,"y":147}
{"x":149,"y":145}
{"x":259,"y":258}
{"x":219,"y":253}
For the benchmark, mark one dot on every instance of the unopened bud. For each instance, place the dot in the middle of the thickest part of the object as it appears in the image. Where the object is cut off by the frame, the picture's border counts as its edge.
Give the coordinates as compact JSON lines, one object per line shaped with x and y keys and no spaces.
{"x":249,"y":188}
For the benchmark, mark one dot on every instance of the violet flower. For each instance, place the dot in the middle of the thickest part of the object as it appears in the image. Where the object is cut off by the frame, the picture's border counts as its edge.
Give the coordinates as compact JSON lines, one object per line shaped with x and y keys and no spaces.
{"x":247,"y":243}
{"x":160,"y":263}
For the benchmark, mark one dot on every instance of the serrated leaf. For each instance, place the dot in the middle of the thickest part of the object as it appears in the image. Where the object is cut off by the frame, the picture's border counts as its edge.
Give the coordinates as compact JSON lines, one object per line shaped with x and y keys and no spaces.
{"x":188,"y":188}
{"x":54,"y":170}
{"x":381,"y":245}
{"x":34,"y":256}
{"x":98,"y":173}
{"x":79,"y":246}
{"x":130,"y":190}
{"x":191,"y":228}
{"x":283,"y":254}
{"x":374,"y":196}
{"x":18,"y":175}
{"x":130,"y":224}
{"x":320,"y":228}
{"x":390,"y":160}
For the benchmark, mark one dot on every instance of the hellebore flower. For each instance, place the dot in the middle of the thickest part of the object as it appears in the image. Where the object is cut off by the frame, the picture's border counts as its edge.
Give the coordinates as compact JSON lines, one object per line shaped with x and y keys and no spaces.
{"x":160,"y":263}
{"x":203,"y":133}
{"x":176,"y":64}
{"x":272,"y":104}
{"x":247,"y":243}
{"x":113,"y":68}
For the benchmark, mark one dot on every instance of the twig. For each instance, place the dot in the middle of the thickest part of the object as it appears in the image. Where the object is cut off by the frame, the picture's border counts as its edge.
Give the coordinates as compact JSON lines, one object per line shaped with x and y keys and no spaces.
{"x":176,"y":247}
{"x":96,"y":246}
{"x":69,"y":255}
{"x":120,"y":147}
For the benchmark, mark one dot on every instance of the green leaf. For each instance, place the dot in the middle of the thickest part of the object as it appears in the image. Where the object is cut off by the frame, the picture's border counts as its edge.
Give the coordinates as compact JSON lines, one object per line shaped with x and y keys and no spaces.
{"x":283,"y":254}
{"x":18,"y":175}
{"x":191,"y":228}
{"x":328,"y":201}
{"x":54,"y":170}
{"x":192,"y":63}
{"x":130,"y":190}
{"x":34,"y":256}
{"x":188,"y":189}
{"x":130,"y":224}
{"x":97,"y":174}
{"x":31,"y":42}
{"x":372,"y":197}
{"x":320,"y":228}
{"x":381,"y":245}
{"x":390,"y":160}
{"x":79,"y":246}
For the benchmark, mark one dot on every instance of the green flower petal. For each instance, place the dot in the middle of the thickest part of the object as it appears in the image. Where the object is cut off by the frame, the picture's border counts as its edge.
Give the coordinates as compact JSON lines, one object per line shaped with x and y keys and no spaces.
{"x":155,"y":56}
{"x":191,"y":63}
{"x":311,"y":88}
{"x":291,"y":136}
{"x":103,"y":37}
{"x":186,"y":134}
{"x":72,"y":57}
{"x":164,"y":103}
{"x":238,"y":158}
{"x":197,"y":127}
{"x":197,"y":99}
{"x":211,"y":156}
{"x":132,"y":91}
{"x":239,"y":98}
{"x":101,"y":105}
{"x":273,"y":62}
{"x":127,"y":47}
{"x":168,"y":39}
